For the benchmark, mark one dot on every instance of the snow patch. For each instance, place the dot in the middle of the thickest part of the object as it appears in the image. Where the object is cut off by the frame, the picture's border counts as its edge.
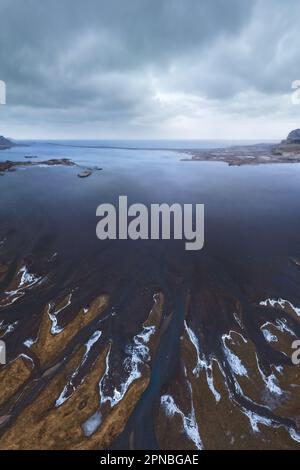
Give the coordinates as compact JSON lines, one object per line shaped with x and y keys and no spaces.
{"x":256,"y":419}
{"x":271,"y":381}
{"x":29,"y":342}
{"x":27,"y":281}
{"x":267,"y":334}
{"x":189,"y":422}
{"x":92,"y":424}
{"x":55,"y":329}
{"x":202,"y":363}
{"x":234,"y":361}
{"x":281,"y":303}
{"x":70,"y":387}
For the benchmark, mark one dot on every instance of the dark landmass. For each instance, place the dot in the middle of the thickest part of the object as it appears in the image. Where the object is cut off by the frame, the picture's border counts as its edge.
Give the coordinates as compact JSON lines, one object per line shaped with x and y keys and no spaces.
{"x":5,"y":143}
{"x":249,"y":155}
{"x":293,"y":137}
{"x":11,"y":166}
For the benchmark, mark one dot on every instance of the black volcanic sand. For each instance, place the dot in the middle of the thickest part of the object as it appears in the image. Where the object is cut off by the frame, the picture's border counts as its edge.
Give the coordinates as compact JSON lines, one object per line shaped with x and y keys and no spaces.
{"x":147,"y":345}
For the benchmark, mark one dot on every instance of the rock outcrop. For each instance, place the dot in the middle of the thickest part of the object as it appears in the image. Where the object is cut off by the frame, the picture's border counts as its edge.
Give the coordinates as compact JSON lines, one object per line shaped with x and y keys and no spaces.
{"x":293,"y":137}
{"x":290,"y":147}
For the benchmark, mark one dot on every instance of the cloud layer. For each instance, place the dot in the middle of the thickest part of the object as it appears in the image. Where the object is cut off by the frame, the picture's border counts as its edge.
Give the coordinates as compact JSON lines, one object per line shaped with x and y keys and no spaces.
{"x":149,"y":68}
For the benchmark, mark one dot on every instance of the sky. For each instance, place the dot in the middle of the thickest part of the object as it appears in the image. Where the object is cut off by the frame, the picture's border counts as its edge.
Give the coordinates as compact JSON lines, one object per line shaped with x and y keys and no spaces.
{"x":149,"y":69}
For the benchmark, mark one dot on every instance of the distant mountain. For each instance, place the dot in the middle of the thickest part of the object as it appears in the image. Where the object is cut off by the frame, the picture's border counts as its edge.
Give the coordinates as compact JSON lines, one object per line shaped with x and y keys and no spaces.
{"x":5,"y":143}
{"x":290,"y":147}
{"x":293,"y":137}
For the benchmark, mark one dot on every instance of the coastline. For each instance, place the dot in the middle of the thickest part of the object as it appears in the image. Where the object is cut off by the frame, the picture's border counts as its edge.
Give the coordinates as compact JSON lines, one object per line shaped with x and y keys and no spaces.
{"x":237,"y":155}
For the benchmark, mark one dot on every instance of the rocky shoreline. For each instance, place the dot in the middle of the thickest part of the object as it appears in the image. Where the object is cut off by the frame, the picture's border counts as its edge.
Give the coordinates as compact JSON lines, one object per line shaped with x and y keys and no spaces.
{"x":5,"y":143}
{"x":288,"y":151}
{"x":9,"y":165}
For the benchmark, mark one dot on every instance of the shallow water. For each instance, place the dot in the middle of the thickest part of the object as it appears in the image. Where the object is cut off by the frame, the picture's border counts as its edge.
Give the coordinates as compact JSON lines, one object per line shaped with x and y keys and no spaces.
{"x":239,"y":201}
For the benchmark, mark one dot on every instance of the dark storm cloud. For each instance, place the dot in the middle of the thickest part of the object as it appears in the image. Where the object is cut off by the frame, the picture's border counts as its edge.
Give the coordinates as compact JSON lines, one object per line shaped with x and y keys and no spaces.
{"x":140,"y":61}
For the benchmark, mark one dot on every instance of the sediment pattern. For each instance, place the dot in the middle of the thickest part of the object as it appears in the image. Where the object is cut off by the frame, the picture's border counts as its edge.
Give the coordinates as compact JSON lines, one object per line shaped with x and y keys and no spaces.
{"x":152,"y":356}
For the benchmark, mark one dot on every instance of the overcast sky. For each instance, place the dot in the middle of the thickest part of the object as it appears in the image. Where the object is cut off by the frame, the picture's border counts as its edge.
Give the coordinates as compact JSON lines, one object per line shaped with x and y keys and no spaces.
{"x":202,"y":69}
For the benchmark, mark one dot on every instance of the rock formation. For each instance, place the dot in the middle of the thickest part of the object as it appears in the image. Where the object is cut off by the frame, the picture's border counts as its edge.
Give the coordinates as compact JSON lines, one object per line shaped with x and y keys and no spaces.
{"x":293,"y":137}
